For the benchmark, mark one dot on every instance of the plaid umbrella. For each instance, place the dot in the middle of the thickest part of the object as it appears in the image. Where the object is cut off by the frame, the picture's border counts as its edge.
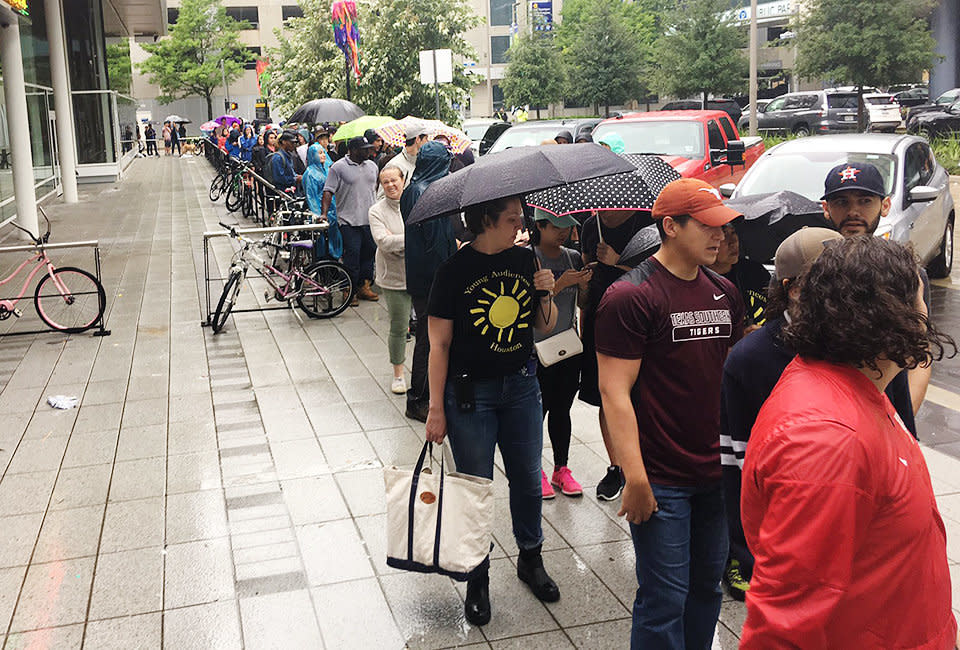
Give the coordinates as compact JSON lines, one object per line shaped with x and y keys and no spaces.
{"x":394,"y":133}
{"x":209,"y":126}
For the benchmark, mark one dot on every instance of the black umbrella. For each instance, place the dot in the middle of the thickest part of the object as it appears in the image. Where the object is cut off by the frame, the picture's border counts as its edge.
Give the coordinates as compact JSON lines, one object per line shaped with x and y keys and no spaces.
{"x":519,"y":170}
{"x":326,"y":110}
{"x":641,"y":246}
{"x":635,"y":190}
{"x":770,"y":218}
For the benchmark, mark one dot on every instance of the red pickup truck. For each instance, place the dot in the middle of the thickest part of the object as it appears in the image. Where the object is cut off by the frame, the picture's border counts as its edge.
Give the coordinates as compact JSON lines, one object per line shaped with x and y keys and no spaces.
{"x":698,"y":144}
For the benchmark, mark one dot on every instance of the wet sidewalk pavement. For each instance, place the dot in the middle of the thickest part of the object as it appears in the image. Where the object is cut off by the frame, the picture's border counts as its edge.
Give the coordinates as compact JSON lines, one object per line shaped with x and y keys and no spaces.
{"x":226,"y":491}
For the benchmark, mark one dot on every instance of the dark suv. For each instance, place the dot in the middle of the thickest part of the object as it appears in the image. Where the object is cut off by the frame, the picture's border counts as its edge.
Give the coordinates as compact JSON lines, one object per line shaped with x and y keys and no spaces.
{"x":728,"y":106}
{"x":806,"y":113}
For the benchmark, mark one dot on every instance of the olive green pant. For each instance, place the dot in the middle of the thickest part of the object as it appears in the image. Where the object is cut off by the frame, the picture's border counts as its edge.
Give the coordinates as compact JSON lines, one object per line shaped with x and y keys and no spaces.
{"x":398,"y":307}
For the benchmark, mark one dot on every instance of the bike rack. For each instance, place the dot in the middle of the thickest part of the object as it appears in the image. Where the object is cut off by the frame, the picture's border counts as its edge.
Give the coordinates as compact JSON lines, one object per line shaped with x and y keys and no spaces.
{"x":207,"y":236}
{"x":100,"y":330}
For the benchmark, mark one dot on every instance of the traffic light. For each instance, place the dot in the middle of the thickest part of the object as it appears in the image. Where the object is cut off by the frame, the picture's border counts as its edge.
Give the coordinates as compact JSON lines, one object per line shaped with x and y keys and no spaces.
{"x":229,"y":106}
{"x":233,"y":106}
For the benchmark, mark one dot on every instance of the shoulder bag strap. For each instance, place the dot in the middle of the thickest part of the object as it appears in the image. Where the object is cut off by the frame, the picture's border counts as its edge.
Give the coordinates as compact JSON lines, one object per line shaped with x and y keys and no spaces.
{"x":413,"y":496}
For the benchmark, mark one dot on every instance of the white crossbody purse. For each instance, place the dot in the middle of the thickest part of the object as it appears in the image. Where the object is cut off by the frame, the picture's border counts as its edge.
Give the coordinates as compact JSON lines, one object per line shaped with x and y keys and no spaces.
{"x":560,"y":346}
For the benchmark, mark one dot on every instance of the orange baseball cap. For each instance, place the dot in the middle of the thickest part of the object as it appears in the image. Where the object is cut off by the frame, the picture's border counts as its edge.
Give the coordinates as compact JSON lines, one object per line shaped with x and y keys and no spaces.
{"x":695,"y":197}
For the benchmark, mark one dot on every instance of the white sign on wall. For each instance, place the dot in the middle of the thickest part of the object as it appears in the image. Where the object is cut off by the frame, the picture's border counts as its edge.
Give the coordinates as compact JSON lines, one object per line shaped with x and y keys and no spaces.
{"x":444,"y":72}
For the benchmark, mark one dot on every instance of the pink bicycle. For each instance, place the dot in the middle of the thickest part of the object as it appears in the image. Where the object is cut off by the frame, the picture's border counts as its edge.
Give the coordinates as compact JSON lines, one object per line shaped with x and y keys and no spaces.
{"x":67,"y":299}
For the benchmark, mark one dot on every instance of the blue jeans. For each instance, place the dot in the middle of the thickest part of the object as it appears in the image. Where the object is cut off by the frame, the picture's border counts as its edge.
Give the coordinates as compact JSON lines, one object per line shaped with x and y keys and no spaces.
{"x":508,"y":414}
{"x":681,"y":553}
{"x":359,"y":250}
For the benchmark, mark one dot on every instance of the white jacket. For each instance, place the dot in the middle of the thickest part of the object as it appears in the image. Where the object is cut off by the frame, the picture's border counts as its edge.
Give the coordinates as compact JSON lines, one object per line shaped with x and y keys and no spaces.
{"x":386,"y":226}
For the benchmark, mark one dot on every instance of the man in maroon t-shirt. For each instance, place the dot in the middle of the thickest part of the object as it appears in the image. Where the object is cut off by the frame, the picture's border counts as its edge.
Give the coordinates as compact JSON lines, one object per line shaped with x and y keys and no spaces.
{"x":662,"y":333}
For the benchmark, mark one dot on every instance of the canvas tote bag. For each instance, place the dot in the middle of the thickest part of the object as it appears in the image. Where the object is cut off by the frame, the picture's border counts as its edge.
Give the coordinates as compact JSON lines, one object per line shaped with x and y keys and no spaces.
{"x":437,"y":522}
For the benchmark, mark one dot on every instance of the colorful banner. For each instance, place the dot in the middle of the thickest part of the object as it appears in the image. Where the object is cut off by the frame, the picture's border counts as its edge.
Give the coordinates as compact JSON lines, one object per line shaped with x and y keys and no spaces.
{"x":19,"y":6}
{"x":344,"y":17}
{"x":262,"y":65}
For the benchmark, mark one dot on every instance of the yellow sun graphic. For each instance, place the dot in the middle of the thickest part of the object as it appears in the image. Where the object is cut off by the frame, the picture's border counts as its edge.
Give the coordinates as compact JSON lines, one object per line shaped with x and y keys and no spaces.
{"x":502,"y":310}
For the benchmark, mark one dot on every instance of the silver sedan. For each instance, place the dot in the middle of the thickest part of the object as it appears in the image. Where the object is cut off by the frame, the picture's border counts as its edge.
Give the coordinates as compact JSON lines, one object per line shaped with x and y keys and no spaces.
{"x":921,"y":211}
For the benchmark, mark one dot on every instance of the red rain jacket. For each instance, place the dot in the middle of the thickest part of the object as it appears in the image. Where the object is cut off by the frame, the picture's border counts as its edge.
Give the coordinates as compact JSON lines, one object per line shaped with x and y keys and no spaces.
{"x":839,"y":512}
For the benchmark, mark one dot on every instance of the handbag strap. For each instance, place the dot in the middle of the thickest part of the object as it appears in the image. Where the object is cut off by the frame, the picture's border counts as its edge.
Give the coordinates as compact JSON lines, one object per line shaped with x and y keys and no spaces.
{"x":427,"y":446}
{"x":436,"y":535}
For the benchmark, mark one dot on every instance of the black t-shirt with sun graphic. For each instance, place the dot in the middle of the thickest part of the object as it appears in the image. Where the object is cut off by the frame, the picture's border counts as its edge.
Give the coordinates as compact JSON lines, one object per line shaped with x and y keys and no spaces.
{"x":491,"y":301}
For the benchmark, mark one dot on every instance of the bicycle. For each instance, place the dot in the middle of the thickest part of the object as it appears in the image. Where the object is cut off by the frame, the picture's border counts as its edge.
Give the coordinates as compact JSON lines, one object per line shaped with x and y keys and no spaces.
{"x":226,"y":177}
{"x":321,"y":289}
{"x":67,"y":299}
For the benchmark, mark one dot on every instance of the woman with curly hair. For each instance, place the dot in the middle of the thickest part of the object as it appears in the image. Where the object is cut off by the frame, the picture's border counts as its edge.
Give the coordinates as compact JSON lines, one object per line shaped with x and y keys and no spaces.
{"x":837,"y":503}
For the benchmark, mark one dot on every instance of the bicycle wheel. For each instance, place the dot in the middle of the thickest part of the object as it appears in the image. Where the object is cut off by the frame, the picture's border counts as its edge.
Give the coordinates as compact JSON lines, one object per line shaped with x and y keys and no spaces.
{"x":234,"y":195}
{"x":217,"y":187}
{"x":326,"y":289}
{"x":246,"y":203}
{"x":227,"y":300}
{"x":70,"y":300}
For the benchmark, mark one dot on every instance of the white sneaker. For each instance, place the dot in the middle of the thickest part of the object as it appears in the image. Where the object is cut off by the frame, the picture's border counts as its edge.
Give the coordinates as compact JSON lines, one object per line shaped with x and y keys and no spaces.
{"x":399,"y":386}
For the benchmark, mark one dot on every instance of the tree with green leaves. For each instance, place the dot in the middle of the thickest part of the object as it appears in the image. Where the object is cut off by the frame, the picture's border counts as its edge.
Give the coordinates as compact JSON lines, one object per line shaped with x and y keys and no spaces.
{"x":306,"y":64}
{"x":392,"y":32}
{"x":535,"y":74}
{"x":604,"y":56}
{"x":882,"y":42}
{"x":202,"y":49}
{"x":119,"y":70}
{"x":702,"y":51}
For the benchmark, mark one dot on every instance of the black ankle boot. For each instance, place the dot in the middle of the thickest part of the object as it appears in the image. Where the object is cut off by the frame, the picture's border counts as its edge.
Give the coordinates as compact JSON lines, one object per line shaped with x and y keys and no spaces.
{"x":476,"y":606}
{"x":530,"y":570}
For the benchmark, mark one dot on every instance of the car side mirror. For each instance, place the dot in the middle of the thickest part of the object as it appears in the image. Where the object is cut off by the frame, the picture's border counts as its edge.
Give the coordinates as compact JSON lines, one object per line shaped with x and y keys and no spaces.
{"x":726,"y":190}
{"x":923,"y":193}
{"x":735,"y":152}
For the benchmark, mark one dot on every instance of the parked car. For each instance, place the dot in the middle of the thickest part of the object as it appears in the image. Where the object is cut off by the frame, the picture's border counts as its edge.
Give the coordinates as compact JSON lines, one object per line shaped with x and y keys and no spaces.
{"x":728,"y":106}
{"x":698,"y":144}
{"x":533,"y":132}
{"x":483,"y":133}
{"x":940,"y":121}
{"x":940,"y":103}
{"x":911,"y":97}
{"x":806,"y":113}
{"x":921,"y":212}
{"x":883,"y":112}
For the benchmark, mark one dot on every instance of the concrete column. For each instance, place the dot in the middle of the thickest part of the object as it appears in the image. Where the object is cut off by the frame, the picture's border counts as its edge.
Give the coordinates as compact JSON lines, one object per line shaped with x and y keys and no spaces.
{"x":62,"y":100}
{"x":945,"y":26}
{"x":14,"y":93}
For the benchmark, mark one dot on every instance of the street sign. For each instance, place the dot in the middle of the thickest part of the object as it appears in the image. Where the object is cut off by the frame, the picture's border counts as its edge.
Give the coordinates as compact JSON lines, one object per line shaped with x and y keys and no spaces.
{"x":541,"y":14}
{"x":261,"y":109}
{"x":444,"y":63}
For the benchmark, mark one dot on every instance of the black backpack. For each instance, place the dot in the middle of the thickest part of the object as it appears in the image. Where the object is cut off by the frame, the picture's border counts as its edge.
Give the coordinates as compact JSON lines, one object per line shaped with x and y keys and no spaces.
{"x":268,"y":166}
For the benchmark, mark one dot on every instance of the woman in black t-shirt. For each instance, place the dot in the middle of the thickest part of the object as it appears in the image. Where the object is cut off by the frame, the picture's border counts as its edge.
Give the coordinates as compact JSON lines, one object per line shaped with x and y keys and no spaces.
{"x":483,"y":308}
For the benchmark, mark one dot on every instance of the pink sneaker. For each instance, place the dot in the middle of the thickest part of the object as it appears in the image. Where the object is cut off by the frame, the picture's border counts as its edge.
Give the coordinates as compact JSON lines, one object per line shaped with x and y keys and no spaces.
{"x":564,"y":480}
{"x":548,"y":492}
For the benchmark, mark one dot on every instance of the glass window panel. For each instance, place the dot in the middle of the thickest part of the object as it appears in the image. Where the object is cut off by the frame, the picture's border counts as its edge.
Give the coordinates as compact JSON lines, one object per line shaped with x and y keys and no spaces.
{"x":292,"y":11}
{"x":248,"y":14}
{"x":498,"y":48}
{"x":501,"y":12}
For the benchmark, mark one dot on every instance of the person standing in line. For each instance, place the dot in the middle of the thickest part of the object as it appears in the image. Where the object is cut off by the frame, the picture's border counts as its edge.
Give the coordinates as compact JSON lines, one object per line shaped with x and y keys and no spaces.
{"x":416,"y":136}
{"x":560,"y":381}
{"x":484,"y":305}
{"x":182,"y":132}
{"x":314,"y":179}
{"x":748,"y":276}
{"x":386,"y":227}
{"x":175,"y":140}
{"x":662,"y":333}
{"x":428,"y":244}
{"x":285,"y":179}
{"x":150,"y":134}
{"x":604,"y":235}
{"x":165,"y":132}
{"x":352,"y":180}
{"x":838,"y":507}
{"x":247,"y":142}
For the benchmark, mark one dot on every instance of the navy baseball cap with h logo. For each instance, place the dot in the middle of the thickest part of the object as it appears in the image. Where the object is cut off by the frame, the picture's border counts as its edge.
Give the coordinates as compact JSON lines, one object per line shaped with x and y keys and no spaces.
{"x":853,"y":176}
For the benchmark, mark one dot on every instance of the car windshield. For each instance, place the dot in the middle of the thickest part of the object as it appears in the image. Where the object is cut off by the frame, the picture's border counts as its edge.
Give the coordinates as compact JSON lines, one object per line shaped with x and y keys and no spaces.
{"x":804,"y":172}
{"x":946,"y":98}
{"x":669,"y":137}
{"x":475,"y":131}
{"x":841,"y":100}
{"x":880,"y":100}
{"x":526,"y":137}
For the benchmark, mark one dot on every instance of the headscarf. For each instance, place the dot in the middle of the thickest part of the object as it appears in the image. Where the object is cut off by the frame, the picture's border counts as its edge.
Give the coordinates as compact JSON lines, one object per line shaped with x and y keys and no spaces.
{"x":313,"y":179}
{"x":615,"y":142}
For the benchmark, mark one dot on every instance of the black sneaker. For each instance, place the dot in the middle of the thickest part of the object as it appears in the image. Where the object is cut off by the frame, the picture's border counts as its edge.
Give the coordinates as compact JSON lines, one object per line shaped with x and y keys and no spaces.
{"x":736,"y":584}
{"x":611,"y":485}
{"x":417,"y":411}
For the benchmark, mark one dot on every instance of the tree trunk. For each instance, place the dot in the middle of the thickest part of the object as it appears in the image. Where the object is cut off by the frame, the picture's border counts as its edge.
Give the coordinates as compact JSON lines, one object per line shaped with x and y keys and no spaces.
{"x":703,"y":105}
{"x":861,"y":110}
{"x":538,"y":112}
{"x":209,"y":99}
{"x":606,"y":110}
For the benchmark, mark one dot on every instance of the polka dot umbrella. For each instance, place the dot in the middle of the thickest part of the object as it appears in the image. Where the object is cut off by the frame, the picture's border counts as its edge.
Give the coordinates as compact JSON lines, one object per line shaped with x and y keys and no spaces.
{"x":636,"y":190}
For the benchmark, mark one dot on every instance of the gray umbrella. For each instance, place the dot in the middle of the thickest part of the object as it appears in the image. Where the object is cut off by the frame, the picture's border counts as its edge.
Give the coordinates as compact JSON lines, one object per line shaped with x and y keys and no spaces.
{"x":326,"y":110}
{"x":770,"y":218}
{"x":516,"y":171}
{"x":641,"y":246}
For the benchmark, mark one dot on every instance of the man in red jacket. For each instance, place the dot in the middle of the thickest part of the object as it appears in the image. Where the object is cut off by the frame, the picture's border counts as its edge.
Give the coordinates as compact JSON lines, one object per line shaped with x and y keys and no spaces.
{"x":837,"y":504}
